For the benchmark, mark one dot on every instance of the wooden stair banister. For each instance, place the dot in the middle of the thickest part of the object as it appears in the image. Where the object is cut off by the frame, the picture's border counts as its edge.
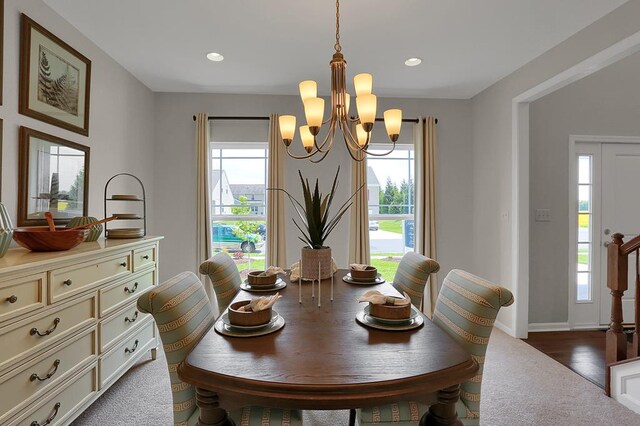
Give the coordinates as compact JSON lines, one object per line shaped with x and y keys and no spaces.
{"x":617,"y":281}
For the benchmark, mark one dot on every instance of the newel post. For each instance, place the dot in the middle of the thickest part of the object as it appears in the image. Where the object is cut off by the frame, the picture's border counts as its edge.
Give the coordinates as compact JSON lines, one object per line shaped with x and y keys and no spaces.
{"x":617,"y":270}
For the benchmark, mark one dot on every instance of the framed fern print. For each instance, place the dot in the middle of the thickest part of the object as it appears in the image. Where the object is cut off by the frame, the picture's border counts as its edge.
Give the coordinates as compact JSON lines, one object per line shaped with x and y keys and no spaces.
{"x":54,"y":79}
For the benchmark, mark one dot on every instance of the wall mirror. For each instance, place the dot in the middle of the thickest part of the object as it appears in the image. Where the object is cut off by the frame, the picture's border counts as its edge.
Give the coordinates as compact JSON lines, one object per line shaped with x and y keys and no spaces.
{"x":53,"y":176}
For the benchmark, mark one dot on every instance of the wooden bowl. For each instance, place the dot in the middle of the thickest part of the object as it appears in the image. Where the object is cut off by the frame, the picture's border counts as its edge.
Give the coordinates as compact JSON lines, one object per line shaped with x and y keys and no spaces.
{"x":246,"y":319}
{"x":392,"y":312}
{"x":39,"y":238}
{"x":368,"y":274}
{"x":254,"y":279}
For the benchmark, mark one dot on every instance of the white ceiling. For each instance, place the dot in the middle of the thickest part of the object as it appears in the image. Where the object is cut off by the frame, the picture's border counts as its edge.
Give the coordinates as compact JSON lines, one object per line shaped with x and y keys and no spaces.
{"x":269,"y":46}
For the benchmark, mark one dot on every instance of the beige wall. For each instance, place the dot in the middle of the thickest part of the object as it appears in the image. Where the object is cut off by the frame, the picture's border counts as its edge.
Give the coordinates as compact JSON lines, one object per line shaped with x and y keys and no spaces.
{"x":175,"y":173}
{"x":492,"y":139}
{"x":606,"y":103}
{"x":121,"y":112}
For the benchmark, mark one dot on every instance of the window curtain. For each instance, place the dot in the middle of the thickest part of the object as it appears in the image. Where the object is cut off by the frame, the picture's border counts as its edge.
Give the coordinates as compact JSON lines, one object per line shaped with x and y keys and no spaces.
{"x":424,"y":133}
{"x":203,"y":205}
{"x":359,"y":250}
{"x":276,"y":254}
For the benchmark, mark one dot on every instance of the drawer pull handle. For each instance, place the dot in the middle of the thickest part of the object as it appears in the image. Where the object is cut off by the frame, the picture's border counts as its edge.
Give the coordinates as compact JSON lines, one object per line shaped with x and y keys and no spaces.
{"x":67,"y":282}
{"x":132,"y":319}
{"x":35,"y":376}
{"x":145,"y":257}
{"x":133,"y":289}
{"x":123,"y":264}
{"x":51,"y":417}
{"x":35,"y":331}
{"x":130,"y":351}
{"x":12,"y":299}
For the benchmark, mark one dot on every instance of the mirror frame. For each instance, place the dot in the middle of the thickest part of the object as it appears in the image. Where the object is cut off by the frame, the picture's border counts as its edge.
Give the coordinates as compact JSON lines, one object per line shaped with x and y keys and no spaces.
{"x":23,"y":175}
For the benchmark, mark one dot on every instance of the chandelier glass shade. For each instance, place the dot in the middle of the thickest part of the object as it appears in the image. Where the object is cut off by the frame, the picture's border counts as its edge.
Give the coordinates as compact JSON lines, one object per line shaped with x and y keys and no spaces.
{"x":355,"y":130}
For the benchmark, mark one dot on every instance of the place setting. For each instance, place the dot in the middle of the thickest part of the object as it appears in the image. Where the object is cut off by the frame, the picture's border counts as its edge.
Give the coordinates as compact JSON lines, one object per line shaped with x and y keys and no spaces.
{"x":250,"y":318}
{"x":360,"y":274}
{"x":264,"y":281}
{"x":388,"y":312}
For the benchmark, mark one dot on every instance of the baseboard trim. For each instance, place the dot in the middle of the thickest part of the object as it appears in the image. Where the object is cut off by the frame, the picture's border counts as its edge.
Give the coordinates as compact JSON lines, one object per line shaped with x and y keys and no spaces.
{"x":590,"y":327}
{"x":549,"y":326}
{"x":501,"y":326}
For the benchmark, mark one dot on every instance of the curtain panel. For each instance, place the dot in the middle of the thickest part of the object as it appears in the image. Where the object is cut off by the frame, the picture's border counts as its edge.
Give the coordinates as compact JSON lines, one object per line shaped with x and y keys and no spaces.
{"x":276,"y":253}
{"x":203,"y":204}
{"x":359,"y":250}
{"x":425,"y":188}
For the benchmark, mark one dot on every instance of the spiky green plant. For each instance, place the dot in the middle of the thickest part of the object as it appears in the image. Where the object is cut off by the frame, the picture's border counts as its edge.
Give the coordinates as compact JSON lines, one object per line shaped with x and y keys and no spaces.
{"x":314,"y":214}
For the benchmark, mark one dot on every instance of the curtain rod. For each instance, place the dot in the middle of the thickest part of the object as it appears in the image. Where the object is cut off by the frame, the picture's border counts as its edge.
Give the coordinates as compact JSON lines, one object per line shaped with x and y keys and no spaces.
{"x":404,"y":120}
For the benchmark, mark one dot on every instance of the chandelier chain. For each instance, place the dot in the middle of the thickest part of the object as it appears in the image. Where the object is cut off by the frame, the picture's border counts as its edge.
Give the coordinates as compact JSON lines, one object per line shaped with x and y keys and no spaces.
{"x":337,"y":45}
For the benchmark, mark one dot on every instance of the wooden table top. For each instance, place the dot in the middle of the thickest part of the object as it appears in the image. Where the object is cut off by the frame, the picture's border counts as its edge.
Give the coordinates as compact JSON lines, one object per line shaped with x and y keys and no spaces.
{"x":323,"y":358}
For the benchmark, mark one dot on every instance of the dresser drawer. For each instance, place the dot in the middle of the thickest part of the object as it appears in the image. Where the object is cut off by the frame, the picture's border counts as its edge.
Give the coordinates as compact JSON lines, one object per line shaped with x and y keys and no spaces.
{"x":21,"y":295}
{"x":23,"y":335}
{"x":124,"y":355}
{"x":116,"y":326}
{"x":69,"y":281}
{"x":124,"y":292}
{"x":18,"y":387}
{"x":144,"y":257}
{"x":63,"y":403}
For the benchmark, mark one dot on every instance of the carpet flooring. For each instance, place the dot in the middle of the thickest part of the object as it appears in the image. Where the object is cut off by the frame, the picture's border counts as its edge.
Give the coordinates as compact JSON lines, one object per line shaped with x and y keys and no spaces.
{"x":521,"y":386}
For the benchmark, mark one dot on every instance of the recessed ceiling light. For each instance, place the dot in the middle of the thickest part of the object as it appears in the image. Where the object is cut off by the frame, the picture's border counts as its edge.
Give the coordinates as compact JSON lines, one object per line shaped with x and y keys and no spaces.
{"x":215,"y":57}
{"x":412,"y":62}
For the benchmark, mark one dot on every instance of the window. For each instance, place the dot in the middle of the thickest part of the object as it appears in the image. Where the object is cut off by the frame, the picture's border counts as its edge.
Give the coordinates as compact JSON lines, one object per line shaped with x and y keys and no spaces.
{"x":390,"y":188}
{"x":584,"y":241}
{"x":238,"y":202}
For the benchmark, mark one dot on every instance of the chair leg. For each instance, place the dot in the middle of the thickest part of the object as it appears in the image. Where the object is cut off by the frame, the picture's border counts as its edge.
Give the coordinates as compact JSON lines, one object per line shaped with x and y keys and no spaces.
{"x":352,"y":417}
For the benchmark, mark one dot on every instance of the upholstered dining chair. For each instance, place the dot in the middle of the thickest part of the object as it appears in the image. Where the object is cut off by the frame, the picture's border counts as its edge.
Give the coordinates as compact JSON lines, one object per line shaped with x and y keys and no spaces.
{"x":225,"y":278}
{"x":183,"y":315}
{"x":412,"y":275}
{"x":466,"y":309}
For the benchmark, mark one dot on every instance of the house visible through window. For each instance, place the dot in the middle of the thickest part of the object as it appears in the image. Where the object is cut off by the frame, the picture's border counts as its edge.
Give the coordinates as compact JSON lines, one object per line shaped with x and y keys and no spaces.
{"x":390,"y":189}
{"x":238,"y":202}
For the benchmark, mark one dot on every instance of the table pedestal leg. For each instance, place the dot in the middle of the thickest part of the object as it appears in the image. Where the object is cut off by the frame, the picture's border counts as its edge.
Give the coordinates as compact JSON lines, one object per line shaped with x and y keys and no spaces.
{"x":444,"y":412}
{"x":210,"y":412}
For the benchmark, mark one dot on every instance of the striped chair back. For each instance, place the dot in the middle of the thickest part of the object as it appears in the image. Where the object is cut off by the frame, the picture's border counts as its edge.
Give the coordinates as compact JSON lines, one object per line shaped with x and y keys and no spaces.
{"x":466,"y":309}
{"x":412,"y":275}
{"x":225,"y":278}
{"x":183,"y":315}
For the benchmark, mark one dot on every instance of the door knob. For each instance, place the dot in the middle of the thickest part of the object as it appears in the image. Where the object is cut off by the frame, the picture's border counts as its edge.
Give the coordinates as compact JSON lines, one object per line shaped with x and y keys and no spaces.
{"x":607,"y":231}
{"x":606,"y":243}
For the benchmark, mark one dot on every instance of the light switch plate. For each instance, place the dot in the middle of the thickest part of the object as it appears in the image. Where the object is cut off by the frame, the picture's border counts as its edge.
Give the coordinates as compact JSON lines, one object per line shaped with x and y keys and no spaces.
{"x":543,"y":215}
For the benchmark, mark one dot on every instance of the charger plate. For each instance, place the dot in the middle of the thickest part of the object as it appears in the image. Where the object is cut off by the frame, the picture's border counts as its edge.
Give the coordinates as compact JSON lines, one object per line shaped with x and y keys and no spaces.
{"x":280,"y":284}
{"x":224,"y":327}
{"x":348,"y":279}
{"x":372,"y":322}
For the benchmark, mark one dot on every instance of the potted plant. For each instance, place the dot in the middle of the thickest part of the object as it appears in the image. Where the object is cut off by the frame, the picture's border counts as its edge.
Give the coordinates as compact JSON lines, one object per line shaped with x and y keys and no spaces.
{"x":316,"y":225}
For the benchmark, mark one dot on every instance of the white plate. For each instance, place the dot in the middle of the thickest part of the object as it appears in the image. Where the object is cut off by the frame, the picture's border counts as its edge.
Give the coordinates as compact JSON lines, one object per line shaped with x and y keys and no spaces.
{"x":222,"y":328}
{"x":368,"y":321}
{"x":225,"y":319}
{"x":280,"y":284}
{"x":348,"y":279}
{"x":414,"y":313}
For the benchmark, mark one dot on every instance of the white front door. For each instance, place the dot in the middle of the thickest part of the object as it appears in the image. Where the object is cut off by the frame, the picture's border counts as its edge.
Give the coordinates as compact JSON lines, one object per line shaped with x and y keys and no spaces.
{"x":620,"y":213}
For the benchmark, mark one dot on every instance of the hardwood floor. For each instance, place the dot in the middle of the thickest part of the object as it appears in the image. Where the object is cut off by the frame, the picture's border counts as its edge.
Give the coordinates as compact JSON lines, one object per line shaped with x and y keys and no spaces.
{"x":581,"y":351}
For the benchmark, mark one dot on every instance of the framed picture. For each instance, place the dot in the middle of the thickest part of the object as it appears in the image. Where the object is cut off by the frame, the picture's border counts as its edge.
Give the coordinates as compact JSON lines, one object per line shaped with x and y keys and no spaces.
{"x":53,"y":176}
{"x":54,"y":79}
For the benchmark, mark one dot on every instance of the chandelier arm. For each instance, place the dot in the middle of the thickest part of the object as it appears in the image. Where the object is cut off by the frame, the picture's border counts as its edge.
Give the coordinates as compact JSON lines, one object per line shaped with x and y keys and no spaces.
{"x":324,"y":154}
{"x":349,"y":139}
{"x":351,"y":151}
{"x":300,"y":157}
{"x":331,"y":132}
{"x":382,"y":155}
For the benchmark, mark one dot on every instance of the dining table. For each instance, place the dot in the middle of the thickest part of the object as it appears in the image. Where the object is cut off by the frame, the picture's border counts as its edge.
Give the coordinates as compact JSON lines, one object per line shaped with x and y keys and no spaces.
{"x":324,"y":359}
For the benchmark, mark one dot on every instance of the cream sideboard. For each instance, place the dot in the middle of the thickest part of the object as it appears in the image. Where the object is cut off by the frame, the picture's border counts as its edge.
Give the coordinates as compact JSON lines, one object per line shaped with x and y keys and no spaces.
{"x":69,"y":326}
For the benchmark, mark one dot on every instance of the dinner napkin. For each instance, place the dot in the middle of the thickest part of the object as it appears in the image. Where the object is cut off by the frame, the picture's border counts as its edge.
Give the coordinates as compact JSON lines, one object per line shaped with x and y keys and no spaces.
{"x":358,"y":266}
{"x":271,"y":270}
{"x":377,"y":298}
{"x":260,"y":303}
{"x":295,"y":270}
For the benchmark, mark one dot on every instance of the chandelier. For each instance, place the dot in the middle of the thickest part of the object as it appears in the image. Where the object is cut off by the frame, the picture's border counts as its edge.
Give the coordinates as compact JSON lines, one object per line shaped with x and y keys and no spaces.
{"x":356,"y":131}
